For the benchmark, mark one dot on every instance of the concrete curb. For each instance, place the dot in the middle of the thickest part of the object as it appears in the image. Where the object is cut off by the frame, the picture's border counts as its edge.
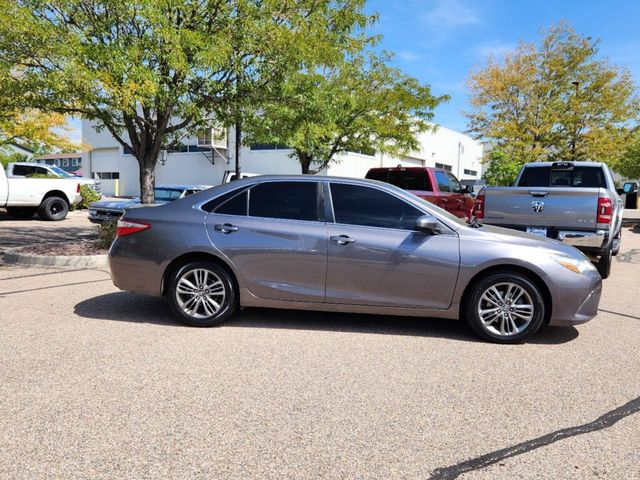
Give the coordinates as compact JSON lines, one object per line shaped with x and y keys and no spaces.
{"x":14,"y":256}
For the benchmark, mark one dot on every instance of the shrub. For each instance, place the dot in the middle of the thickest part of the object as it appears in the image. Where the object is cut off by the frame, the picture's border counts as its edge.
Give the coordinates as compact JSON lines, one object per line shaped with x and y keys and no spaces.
{"x":89,"y":195}
{"x":106,"y":234}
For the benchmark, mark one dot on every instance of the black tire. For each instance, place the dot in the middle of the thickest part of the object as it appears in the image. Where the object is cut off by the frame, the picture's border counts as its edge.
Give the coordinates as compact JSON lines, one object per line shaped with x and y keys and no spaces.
{"x":53,"y":209}
{"x":617,"y":241}
{"x":21,"y":212}
{"x":491,"y":329}
{"x":199,"y":316}
{"x":604,"y":264}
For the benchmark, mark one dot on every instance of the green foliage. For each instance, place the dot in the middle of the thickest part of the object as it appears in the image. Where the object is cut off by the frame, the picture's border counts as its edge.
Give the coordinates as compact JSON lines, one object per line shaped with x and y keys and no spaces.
{"x":360,"y":105}
{"x":89,"y":196}
{"x":501,"y":169}
{"x":152,"y":72}
{"x":106,"y":234}
{"x":554,"y":101}
{"x":6,"y":158}
{"x":628,"y":164}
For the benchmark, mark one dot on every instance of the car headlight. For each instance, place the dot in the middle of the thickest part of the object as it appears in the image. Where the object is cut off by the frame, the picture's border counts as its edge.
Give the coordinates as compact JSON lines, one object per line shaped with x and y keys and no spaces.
{"x":576,"y":265}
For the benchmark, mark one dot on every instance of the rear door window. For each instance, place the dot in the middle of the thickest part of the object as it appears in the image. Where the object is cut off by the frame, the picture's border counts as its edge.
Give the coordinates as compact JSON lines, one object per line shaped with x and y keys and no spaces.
{"x":366,"y":206}
{"x":286,"y":200}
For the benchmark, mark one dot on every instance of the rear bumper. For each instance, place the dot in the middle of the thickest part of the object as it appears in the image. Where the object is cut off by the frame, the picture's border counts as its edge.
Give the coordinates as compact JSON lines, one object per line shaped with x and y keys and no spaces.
{"x":584,"y":239}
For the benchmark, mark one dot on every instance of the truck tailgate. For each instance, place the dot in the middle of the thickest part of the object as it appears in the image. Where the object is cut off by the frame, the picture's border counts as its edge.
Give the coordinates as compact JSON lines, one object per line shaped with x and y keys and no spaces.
{"x":571,"y":208}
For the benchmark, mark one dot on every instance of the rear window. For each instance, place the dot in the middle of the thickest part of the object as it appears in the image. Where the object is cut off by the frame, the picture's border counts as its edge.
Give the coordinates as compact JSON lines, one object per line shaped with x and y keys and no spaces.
{"x":578,"y":177}
{"x":405,"y":179}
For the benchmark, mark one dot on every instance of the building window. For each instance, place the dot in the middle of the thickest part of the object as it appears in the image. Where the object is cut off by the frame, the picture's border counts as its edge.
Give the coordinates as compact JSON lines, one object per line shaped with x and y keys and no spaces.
{"x":470,"y":172}
{"x":268,"y":146}
{"x":365,"y":151}
{"x":75,"y":162}
{"x":65,"y":162}
{"x":444,"y":166}
{"x":108,"y":175}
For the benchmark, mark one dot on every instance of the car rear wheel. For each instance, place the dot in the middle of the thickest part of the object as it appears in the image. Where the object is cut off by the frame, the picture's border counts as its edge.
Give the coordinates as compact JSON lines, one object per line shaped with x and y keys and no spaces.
{"x":21,"y":212}
{"x":505,"y":308}
{"x":53,"y":209}
{"x":202,"y":294}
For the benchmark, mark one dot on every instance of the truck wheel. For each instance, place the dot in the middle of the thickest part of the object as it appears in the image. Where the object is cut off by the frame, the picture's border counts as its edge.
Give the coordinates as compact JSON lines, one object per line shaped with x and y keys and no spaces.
{"x":505,"y":307}
{"x":21,"y":212}
{"x":53,"y":209}
{"x":604,"y":264}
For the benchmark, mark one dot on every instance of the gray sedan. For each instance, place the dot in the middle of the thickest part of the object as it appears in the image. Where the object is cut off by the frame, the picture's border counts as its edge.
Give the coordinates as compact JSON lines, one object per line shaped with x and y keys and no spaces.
{"x":337,"y":244}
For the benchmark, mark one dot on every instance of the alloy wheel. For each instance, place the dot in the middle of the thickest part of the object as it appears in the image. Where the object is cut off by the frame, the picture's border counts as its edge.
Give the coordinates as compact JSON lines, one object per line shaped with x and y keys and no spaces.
{"x":505,"y":309}
{"x":200,"y":293}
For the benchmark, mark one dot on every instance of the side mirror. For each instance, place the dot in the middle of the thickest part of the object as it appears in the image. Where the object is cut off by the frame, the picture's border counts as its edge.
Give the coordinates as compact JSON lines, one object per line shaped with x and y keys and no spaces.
{"x":467,"y":189}
{"x":620,"y":191}
{"x":629,"y":187}
{"x":427,"y":224}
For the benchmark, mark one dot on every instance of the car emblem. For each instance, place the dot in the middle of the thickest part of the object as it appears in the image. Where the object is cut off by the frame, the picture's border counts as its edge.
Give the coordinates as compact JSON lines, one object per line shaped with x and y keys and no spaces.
{"x":537,"y":206}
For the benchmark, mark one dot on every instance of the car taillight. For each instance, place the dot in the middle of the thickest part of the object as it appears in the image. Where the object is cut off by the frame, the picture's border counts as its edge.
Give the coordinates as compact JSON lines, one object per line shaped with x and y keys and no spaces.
{"x":478,"y":207}
{"x":605,"y":210}
{"x":126,"y":227}
{"x":78,"y":189}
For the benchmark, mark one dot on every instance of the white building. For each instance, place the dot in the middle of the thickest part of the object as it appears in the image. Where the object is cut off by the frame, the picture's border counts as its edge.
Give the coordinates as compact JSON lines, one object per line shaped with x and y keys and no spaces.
{"x":198,"y":163}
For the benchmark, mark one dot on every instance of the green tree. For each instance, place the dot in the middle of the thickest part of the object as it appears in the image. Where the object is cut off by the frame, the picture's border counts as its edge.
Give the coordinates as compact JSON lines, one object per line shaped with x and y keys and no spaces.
{"x":629,"y":163}
{"x":360,"y":105}
{"x":554,"y":101}
{"x":501,"y":169}
{"x":154,"y":71}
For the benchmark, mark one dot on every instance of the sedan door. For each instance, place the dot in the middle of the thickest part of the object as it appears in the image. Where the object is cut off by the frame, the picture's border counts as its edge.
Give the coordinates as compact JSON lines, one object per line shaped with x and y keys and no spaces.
{"x":275,"y":236}
{"x":377,"y":258}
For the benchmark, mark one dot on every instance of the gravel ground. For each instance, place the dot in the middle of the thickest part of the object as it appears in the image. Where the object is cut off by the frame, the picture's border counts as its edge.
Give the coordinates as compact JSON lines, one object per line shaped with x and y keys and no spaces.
{"x":97,"y":383}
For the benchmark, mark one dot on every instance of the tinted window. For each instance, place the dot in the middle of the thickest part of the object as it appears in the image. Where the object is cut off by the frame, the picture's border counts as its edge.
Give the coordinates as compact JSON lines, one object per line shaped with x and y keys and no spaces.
{"x":216,"y":202}
{"x":234,"y":206}
{"x":454,"y":184}
{"x":288,"y":200}
{"x":443,"y":181}
{"x":23,"y":170}
{"x":357,"y":205}
{"x":167,"y":194}
{"x":380,"y":175}
{"x":579,"y":177}
{"x":410,"y":179}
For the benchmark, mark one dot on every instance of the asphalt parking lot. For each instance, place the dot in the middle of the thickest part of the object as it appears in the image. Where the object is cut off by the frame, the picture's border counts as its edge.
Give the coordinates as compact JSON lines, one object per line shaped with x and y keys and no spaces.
{"x":97,"y":383}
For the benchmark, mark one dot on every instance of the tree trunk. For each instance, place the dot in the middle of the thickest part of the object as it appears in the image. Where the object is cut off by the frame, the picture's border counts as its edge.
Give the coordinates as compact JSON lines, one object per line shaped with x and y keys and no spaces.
{"x":147,"y":180}
{"x":305,"y":162}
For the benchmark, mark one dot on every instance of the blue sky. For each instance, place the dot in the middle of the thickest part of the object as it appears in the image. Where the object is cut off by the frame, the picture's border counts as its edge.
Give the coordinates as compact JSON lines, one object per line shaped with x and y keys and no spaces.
{"x":440,"y":41}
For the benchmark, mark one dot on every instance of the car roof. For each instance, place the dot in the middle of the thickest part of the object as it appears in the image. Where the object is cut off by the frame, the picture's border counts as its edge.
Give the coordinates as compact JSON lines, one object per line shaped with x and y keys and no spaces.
{"x":184,"y":187}
{"x":575,"y":163}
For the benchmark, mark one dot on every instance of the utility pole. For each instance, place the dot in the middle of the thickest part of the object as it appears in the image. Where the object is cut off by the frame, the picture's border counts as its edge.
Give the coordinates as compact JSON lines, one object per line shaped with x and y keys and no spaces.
{"x":238,"y":145}
{"x":575,"y":83}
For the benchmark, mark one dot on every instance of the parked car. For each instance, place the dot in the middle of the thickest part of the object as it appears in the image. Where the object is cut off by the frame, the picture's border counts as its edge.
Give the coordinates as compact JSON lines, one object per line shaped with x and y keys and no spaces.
{"x":230,"y":176}
{"x":110,"y":210}
{"x":26,"y":169}
{"x":575,"y":203}
{"x":51,"y":199}
{"x":435,"y":185}
{"x":337,"y":244}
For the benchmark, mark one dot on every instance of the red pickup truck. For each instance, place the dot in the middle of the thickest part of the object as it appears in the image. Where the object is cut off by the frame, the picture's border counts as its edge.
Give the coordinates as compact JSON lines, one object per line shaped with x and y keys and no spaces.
{"x":433,"y":184}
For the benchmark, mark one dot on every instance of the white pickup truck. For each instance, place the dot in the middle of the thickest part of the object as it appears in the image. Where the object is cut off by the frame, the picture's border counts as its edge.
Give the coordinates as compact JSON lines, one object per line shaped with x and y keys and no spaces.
{"x":26,"y":169}
{"x":50,"y":198}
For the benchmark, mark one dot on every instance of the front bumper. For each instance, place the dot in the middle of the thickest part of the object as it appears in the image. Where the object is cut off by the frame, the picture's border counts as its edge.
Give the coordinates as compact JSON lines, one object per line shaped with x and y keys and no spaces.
{"x":577,"y":302}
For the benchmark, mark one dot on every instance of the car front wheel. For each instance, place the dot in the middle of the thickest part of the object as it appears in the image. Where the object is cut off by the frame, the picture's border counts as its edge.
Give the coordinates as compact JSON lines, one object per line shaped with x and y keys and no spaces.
{"x":202,"y":294}
{"x":505,"y":308}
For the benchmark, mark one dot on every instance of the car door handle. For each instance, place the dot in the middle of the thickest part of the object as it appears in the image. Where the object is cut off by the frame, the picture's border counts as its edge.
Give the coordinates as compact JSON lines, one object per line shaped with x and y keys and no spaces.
{"x":226,"y":228}
{"x":538,"y":194}
{"x":342,"y":239}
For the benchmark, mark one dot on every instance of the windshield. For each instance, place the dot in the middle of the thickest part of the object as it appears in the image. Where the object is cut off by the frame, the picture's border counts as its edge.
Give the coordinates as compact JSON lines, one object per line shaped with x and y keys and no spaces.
{"x":167,"y":194}
{"x":60,"y":172}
